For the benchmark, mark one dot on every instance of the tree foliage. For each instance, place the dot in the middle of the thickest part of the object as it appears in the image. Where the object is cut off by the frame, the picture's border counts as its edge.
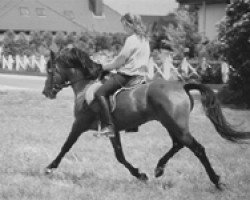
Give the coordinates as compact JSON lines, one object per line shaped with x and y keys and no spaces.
{"x":180,"y":33}
{"x":234,"y":33}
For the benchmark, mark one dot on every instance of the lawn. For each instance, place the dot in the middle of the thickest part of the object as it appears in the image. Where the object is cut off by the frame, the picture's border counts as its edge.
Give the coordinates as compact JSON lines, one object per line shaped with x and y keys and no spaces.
{"x":33,"y":130}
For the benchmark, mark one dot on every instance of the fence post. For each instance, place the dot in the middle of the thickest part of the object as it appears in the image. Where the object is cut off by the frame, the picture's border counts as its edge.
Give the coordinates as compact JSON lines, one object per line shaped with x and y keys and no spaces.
{"x":20,"y":63}
{"x":8,"y":63}
{"x":150,"y":69}
{"x":42,"y":65}
{"x":224,"y":72}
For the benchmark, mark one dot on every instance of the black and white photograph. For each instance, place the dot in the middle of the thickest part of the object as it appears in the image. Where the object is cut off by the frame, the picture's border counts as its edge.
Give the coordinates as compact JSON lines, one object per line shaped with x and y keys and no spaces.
{"x":124,"y":99}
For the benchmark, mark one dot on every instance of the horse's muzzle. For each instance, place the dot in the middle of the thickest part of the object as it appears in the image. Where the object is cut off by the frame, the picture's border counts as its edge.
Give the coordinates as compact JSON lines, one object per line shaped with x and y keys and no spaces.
{"x":50,"y":95}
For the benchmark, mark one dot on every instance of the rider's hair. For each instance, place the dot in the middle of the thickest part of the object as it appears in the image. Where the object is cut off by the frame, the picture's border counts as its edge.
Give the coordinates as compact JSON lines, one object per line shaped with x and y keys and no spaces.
{"x":134,"y":22}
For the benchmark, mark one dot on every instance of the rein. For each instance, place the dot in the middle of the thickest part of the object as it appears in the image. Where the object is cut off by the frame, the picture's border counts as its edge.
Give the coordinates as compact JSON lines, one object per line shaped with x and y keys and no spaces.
{"x":69,"y":83}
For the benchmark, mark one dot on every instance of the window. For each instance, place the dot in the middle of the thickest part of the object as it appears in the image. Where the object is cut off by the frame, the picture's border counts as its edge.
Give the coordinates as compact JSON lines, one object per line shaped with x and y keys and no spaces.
{"x":24,"y":11}
{"x":40,"y":12}
{"x":69,"y":14}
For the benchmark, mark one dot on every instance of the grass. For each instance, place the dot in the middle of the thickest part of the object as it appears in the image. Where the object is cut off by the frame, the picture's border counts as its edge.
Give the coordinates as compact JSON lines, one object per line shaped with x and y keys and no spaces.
{"x":33,"y":130}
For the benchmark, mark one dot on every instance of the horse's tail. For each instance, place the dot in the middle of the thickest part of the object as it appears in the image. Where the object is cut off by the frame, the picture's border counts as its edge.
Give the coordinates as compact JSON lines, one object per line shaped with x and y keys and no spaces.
{"x":213,"y":111}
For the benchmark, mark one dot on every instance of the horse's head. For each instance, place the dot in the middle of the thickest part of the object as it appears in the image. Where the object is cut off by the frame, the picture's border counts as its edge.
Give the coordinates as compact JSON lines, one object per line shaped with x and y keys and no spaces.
{"x":55,"y":78}
{"x":62,"y":70}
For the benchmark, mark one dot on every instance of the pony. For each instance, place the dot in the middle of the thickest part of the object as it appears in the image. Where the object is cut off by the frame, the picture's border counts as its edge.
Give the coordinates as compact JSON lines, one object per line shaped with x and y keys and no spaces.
{"x":168,"y":102}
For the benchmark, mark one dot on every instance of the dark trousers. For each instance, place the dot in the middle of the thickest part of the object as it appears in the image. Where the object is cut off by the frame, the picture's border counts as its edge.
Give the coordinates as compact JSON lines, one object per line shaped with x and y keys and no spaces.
{"x":114,"y":83}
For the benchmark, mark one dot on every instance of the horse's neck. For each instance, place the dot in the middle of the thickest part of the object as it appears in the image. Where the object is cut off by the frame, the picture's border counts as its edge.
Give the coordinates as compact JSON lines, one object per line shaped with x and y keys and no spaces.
{"x":78,"y":82}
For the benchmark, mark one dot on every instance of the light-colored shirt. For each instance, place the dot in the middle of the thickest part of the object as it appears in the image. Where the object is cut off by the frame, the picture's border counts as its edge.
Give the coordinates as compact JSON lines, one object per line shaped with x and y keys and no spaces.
{"x":133,"y":58}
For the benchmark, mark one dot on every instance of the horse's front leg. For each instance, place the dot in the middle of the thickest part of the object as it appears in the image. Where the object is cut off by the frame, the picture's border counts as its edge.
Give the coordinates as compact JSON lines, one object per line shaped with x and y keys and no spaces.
{"x":81,"y":124}
{"x":116,"y":143}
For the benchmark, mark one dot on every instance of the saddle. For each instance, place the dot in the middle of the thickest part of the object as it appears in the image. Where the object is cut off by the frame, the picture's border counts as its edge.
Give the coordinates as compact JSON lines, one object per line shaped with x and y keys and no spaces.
{"x":90,"y":90}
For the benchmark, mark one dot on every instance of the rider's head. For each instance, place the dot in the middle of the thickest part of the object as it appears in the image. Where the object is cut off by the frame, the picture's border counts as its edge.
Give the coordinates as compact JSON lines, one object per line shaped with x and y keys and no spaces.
{"x":133,"y":25}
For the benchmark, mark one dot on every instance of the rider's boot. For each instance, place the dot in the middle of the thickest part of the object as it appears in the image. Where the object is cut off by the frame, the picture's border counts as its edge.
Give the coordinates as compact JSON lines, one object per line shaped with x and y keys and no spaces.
{"x":106,"y":118}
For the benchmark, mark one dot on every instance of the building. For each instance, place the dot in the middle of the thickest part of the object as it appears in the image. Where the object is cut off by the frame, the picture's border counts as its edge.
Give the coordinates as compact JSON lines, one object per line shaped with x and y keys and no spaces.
{"x":58,"y":15}
{"x":210,"y":12}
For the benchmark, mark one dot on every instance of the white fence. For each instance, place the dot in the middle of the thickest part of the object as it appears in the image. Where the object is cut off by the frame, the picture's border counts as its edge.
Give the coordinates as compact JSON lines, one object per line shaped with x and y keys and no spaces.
{"x":165,"y":69}
{"x":24,"y":63}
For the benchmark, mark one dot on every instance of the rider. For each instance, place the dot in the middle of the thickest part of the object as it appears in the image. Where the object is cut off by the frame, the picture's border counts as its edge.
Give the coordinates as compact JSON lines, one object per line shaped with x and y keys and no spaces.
{"x":129,"y":63}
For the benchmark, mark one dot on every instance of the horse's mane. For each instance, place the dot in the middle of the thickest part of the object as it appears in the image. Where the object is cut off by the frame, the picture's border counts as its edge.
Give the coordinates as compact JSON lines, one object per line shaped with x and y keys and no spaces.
{"x":74,"y":58}
{"x":77,"y":58}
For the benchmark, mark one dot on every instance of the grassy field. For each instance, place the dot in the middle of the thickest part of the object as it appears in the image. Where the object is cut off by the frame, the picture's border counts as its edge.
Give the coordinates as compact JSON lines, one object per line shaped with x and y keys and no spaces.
{"x":34,"y":128}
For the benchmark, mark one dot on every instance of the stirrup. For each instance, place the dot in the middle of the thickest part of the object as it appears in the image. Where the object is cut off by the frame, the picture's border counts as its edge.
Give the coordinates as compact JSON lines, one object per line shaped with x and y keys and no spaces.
{"x":107,"y":131}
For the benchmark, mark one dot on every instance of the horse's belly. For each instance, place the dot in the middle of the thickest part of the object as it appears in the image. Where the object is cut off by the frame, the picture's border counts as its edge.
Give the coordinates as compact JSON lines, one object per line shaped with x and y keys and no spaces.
{"x":131,"y":110}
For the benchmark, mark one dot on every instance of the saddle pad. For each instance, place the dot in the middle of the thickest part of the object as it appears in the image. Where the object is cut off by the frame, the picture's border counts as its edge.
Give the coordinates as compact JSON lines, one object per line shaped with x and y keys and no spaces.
{"x":90,"y":90}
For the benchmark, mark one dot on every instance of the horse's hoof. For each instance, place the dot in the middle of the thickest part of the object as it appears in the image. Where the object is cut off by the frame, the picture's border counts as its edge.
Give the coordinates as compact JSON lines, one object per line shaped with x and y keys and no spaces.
{"x":48,"y":171}
{"x":159,"y":172}
{"x":143,"y":177}
{"x":221,"y":186}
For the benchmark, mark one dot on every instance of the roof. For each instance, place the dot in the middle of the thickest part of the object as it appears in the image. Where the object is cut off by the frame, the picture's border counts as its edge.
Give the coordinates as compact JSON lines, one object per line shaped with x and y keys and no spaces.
{"x":56,"y":15}
{"x":201,"y":1}
{"x":143,"y":7}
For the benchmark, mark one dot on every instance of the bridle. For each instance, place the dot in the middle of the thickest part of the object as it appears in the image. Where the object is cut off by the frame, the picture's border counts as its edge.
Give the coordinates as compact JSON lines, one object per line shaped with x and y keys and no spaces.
{"x":92,"y":73}
{"x":56,"y":87}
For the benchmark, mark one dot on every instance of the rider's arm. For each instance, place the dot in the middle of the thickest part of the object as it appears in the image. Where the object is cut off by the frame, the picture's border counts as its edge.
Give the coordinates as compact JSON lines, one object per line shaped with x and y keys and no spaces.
{"x":116,"y":63}
{"x":122,"y":57}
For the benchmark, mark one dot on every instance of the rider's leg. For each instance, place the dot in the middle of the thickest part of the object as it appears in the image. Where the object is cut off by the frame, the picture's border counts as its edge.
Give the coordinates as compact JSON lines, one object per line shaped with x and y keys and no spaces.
{"x":101,"y":96}
{"x":106,"y":117}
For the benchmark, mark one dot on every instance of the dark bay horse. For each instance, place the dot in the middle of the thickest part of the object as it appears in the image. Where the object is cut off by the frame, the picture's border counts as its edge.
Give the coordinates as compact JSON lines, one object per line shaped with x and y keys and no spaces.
{"x":170,"y":103}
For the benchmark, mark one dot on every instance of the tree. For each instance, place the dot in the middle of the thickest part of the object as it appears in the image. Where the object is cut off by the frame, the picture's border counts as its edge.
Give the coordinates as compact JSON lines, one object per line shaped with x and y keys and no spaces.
{"x":179,"y":31}
{"x":234,"y":34}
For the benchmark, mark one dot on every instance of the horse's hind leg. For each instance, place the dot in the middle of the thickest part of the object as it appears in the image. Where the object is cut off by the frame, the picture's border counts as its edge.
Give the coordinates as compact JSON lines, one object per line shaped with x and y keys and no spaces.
{"x":116,"y":143}
{"x":80,"y":125}
{"x":159,"y":170}
{"x":199,"y":151}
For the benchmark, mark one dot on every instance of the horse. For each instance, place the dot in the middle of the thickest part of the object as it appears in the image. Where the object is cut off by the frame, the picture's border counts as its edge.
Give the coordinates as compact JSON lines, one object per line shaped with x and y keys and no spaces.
{"x":168,"y":102}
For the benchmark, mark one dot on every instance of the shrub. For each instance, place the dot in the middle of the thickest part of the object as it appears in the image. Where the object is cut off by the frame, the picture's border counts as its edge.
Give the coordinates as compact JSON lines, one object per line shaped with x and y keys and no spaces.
{"x":22,"y":45}
{"x":86,"y":42}
{"x":213,"y":50}
{"x":47,"y":38}
{"x":103,"y":42}
{"x":212,"y":75}
{"x":118,"y":40}
{"x":9,"y":43}
{"x":234,"y":33}
{"x":60,"y":39}
{"x":36,"y":40}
